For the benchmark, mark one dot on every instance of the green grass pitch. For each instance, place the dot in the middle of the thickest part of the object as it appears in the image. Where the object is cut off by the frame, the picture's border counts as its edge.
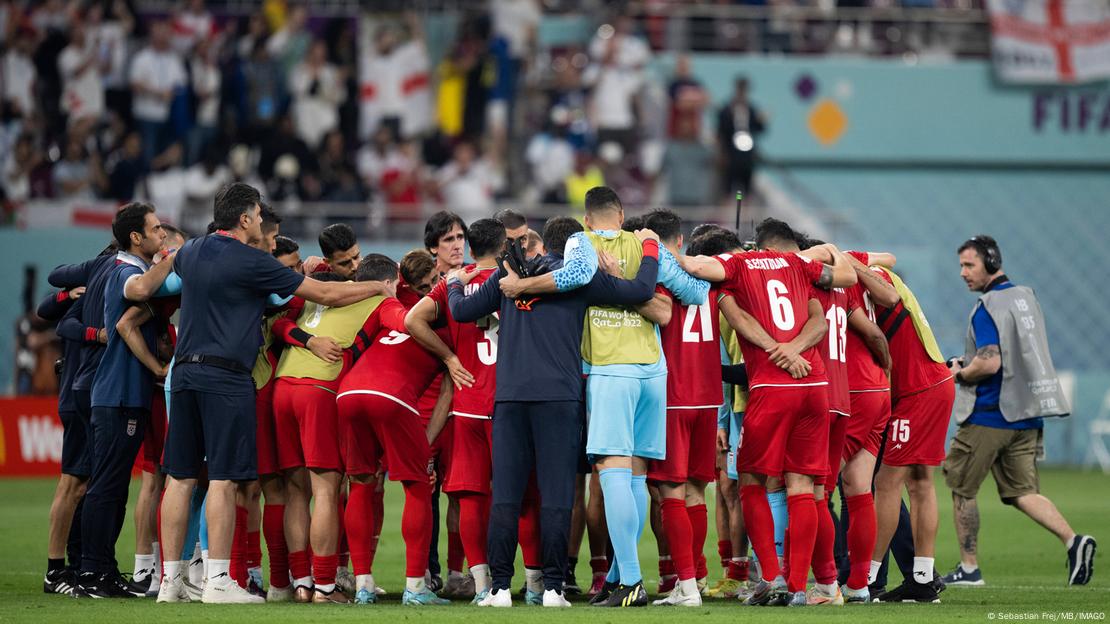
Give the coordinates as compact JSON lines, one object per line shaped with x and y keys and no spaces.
{"x":1023,"y":566}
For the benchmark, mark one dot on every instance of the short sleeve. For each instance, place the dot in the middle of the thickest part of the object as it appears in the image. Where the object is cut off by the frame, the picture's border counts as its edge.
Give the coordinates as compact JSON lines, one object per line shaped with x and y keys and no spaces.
{"x":855,"y":298}
{"x":271,"y":276}
{"x":811,"y":268}
{"x":862,"y":256}
{"x":439,"y":295}
{"x":730,"y":262}
{"x":986,"y":332}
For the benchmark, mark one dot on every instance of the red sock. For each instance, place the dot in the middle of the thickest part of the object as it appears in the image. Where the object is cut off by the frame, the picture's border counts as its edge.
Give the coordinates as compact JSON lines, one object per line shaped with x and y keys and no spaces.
{"x":724,"y":551}
{"x":803,"y":534}
{"x":528,"y":530}
{"x":761,"y":528}
{"x":473,"y":525}
{"x":273,"y":528}
{"x":455,"y":552}
{"x":699,"y":527}
{"x":824,"y":563}
{"x":298,"y":565}
{"x":861,"y":538}
{"x":323,"y":569}
{"x":667,"y":565}
{"x":343,"y":548}
{"x":416,"y":527}
{"x":599,"y":565}
{"x":239,"y":547}
{"x":738,"y":570}
{"x":676,"y":526}
{"x":359,"y":524}
{"x":254,"y":549}
{"x":377,"y":507}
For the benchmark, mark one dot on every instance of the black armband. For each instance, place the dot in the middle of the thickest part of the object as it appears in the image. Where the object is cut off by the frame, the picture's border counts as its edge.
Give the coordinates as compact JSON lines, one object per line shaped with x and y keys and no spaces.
{"x":300,"y":335}
{"x":735,"y":374}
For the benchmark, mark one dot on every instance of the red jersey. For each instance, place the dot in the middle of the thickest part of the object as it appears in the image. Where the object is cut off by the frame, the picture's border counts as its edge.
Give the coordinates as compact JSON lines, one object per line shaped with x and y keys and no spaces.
{"x":476,"y":345}
{"x":395,"y":367}
{"x":427,"y":402}
{"x":692,"y":346}
{"x":864,"y":373}
{"x":834,"y":350}
{"x":912,"y":370}
{"x":774,"y":288}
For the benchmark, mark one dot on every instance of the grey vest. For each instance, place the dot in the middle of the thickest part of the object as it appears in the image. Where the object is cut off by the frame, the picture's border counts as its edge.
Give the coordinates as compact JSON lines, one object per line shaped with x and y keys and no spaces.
{"x":1030,"y":387}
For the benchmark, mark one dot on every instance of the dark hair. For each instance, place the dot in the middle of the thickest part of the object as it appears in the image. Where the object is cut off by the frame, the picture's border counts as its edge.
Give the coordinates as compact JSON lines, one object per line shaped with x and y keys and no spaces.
{"x":631,"y":224}
{"x":808,"y":242}
{"x":714,"y":242}
{"x":211,"y":227}
{"x":327,"y":276}
{"x":705,"y":228}
{"x":439,"y":225}
{"x":601,"y":198}
{"x":283,"y":246}
{"x":270,"y":218}
{"x":485,"y":237}
{"x":556,"y":232}
{"x":665,"y":223}
{"x":988,"y":250}
{"x":770,"y":230}
{"x":509,"y":218}
{"x":130,"y":218}
{"x":172,"y":230}
{"x":376,"y":267}
{"x":416,"y":265}
{"x":232,"y":201}
{"x":336,"y":237}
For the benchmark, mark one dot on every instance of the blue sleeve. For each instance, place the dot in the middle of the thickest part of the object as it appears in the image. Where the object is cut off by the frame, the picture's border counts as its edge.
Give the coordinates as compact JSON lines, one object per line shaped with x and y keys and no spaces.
{"x":275,"y":301}
{"x":579,"y":263}
{"x":724,"y":412}
{"x":689,"y":289}
{"x":468,"y":308}
{"x":72,"y":275}
{"x":606,"y":289}
{"x":51,"y":309}
{"x":71,"y":327}
{"x":171,"y":286}
{"x":986,"y":333}
{"x":271,"y":276}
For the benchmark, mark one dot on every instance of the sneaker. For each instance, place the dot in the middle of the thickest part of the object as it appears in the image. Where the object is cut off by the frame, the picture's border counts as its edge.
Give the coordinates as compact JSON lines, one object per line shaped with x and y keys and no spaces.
{"x":744,"y":591}
{"x":959,"y":577}
{"x":1081,"y":560}
{"x":424,"y":598}
{"x":154,"y":587}
{"x":434,"y":582}
{"x":680,"y":598}
{"x":222,"y":589}
{"x":667,"y":583}
{"x":533,"y":598}
{"x":479,"y":597}
{"x":597,"y":585}
{"x":459,"y":587}
{"x":365,"y":596}
{"x":172,"y":590}
{"x":797,"y":599}
{"x":380,"y":591}
{"x":766,"y":593}
{"x":604,"y":591}
{"x":335,"y":596}
{"x":106,"y":585}
{"x":552,"y":598}
{"x":497,"y":598}
{"x":724,"y":588}
{"x":855,"y":596}
{"x":626,"y":596}
{"x":570,"y":585}
{"x":938,"y":582}
{"x":702,"y":583}
{"x":139,"y":584}
{"x":195,"y":592}
{"x":817,"y":597}
{"x":910,"y":591}
{"x":59,"y":582}
{"x":255,"y":588}
{"x":280,"y":594}
{"x":302,"y":594}
{"x":345,"y":581}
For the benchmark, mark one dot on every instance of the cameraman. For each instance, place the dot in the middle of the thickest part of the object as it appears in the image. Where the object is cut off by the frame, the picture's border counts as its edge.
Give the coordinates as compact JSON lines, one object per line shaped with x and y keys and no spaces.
{"x":1006,"y":386}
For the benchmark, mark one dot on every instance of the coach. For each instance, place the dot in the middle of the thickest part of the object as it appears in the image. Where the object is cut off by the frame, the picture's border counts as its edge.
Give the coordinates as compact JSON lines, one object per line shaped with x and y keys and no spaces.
{"x":538,"y":411}
{"x":225,"y":286}
{"x":1007,"y":385}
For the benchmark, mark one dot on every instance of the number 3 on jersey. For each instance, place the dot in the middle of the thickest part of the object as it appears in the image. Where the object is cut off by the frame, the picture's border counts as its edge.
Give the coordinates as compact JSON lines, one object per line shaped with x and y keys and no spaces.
{"x":700,"y":315}
{"x":487,"y":349}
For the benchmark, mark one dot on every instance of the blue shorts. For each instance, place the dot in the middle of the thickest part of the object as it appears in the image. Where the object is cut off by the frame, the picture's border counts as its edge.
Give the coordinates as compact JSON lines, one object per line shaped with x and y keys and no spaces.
{"x":626,"y":416}
{"x":219,"y":428}
{"x":734,"y":444}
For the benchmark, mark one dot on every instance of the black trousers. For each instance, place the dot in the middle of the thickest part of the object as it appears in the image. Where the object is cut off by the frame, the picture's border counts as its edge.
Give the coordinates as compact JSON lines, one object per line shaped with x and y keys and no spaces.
{"x":117,"y":435}
{"x":545,"y":437}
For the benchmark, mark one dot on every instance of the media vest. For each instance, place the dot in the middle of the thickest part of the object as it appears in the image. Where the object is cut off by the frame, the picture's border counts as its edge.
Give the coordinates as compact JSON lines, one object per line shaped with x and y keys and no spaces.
{"x":340,"y":324}
{"x":613,"y":334}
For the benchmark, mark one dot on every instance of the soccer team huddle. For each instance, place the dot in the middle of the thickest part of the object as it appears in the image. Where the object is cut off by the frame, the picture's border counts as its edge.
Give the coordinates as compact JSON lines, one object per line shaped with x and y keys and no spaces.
{"x":604,"y":355}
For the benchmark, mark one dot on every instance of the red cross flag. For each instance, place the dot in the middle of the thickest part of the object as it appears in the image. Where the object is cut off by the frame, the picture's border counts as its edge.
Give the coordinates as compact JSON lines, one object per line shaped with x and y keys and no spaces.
{"x":1050,"y":41}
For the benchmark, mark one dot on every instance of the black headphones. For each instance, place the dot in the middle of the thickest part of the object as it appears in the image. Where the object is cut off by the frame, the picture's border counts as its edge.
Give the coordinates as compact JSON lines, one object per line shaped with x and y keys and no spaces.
{"x":988,"y":249}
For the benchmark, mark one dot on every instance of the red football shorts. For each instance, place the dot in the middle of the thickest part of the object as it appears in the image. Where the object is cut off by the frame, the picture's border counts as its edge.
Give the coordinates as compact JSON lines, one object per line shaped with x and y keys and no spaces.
{"x":919,"y":425}
{"x":870,"y":415}
{"x":838,"y":427}
{"x":400,"y":437}
{"x":307,"y":426}
{"x":154,"y":439}
{"x":471,"y":456}
{"x":785,"y":429}
{"x":691,"y":447}
{"x":360,"y":446}
{"x":266,"y":435}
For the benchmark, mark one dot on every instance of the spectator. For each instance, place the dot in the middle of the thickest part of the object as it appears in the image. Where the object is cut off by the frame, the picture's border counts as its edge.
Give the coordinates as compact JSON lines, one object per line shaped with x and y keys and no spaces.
{"x":377,"y":156}
{"x":80,"y":65}
{"x":51,"y":15}
{"x":688,"y":166}
{"x":19,"y":75}
{"x":190,"y":26}
{"x":256,"y":32}
{"x":551,"y":157}
{"x":301,"y":171}
{"x":467,"y":183}
{"x":739,"y":125}
{"x":401,"y":183}
{"x":394,"y":83}
{"x":338,"y":179}
{"x":128,"y":168}
{"x":317,"y":90}
{"x":165,"y":184}
{"x":585,"y":176}
{"x":202,"y":181}
{"x":206,"y":88}
{"x":612,"y":101}
{"x":76,"y":175}
{"x":265,"y":92}
{"x":156,"y":74}
{"x":570,"y":94}
{"x":16,"y":177}
{"x":515,"y":23}
{"x":620,"y":43}
{"x":688,"y":97}
{"x":290,"y":43}
{"x":111,"y":36}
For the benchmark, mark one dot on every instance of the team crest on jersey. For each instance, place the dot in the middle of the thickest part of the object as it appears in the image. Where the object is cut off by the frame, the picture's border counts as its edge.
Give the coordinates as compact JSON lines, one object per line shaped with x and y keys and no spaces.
{"x":132,"y":425}
{"x":526,"y":306}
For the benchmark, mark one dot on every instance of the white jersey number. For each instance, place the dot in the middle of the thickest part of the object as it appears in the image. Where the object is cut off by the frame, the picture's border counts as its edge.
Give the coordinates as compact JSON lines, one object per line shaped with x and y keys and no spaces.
{"x":782,"y":311}
{"x":394,"y":337}
{"x":487,"y":349}
{"x":699,"y":314}
{"x":838,"y":332}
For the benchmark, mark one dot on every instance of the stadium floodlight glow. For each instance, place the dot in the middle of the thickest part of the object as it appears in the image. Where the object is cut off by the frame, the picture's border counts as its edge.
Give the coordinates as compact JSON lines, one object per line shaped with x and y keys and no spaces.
{"x":743,"y":141}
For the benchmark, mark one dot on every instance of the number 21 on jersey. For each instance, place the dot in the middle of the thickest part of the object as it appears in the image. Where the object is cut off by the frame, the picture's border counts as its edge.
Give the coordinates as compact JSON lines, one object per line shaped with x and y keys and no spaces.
{"x":698,"y":325}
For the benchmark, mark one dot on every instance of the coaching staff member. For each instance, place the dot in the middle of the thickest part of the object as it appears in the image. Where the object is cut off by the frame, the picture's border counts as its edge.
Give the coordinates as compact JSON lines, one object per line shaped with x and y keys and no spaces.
{"x":225,"y":286}
{"x":1007,"y":385}
{"x":538,"y":411}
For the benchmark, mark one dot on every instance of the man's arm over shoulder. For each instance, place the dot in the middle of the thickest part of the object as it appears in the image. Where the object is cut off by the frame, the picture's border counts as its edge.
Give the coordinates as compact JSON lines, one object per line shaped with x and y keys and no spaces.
{"x":468,"y":308}
{"x":604,"y":289}
{"x":689,"y":289}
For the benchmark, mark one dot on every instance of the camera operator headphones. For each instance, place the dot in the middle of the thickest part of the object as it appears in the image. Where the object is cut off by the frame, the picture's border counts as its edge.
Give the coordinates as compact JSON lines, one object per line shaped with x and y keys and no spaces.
{"x":988,"y":249}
